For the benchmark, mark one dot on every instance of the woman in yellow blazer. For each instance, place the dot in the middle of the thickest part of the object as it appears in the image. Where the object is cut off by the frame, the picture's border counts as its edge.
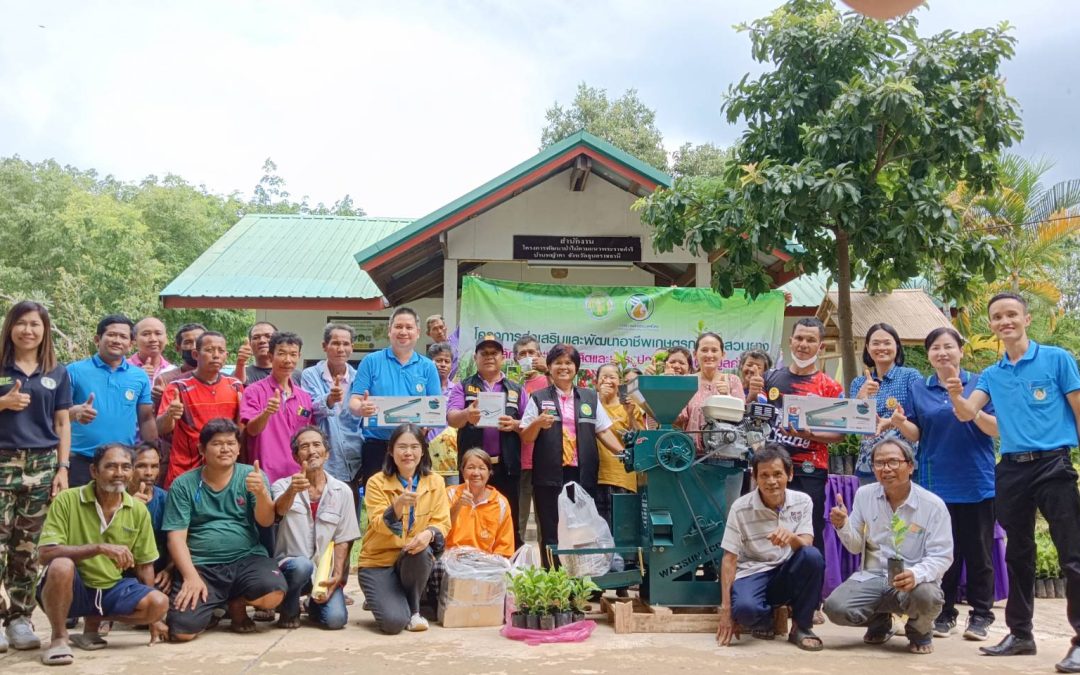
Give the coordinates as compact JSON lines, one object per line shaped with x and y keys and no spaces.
{"x":408,"y":518}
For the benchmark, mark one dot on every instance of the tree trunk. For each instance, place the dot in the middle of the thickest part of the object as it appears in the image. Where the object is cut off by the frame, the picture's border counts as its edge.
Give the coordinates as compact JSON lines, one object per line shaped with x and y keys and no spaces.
{"x":843,"y":287}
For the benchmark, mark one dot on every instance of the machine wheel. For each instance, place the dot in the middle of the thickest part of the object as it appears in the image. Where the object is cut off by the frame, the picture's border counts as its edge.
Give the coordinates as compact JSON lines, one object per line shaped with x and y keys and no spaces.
{"x":675,"y":451}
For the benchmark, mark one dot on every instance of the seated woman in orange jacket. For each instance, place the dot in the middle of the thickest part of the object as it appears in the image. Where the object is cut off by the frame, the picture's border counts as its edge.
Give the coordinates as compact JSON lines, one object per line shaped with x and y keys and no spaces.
{"x":479,"y":515}
{"x":408,"y":518}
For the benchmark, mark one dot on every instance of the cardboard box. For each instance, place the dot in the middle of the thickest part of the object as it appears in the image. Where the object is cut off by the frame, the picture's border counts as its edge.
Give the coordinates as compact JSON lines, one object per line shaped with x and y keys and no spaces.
{"x":467,"y":603}
{"x":830,"y":415}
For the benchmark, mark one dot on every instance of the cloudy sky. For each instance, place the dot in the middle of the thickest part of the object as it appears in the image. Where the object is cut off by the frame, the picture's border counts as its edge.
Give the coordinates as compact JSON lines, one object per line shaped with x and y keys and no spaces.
{"x":407,"y":105}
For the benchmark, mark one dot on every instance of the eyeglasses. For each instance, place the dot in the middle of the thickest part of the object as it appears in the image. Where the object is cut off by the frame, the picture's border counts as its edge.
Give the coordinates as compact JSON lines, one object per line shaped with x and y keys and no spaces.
{"x":889,"y":463}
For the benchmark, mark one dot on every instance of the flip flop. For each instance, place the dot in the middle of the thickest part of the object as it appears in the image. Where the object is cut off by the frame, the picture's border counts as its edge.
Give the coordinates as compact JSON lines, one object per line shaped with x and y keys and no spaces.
{"x":243,"y":627}
{"x":88,"y":642}
{"x":265,"y":615}
{"x":798,"y":637}
{"x":288,"y":623}
{"x":921,"y":646}
{"x":878,"y":638}
{"x":58,"y":656}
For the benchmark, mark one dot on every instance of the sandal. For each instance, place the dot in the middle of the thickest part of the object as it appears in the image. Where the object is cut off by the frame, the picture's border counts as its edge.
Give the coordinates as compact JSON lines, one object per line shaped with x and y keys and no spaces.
{"x":805,"y":639}
{"x":58,"y":656}
{"x":264,"y":615}
{"x":88,"y":642}
{"x":921,"y":645}
{"x":878,"y":638}
{"x":247,"y":626}
{"x":764,"y":633}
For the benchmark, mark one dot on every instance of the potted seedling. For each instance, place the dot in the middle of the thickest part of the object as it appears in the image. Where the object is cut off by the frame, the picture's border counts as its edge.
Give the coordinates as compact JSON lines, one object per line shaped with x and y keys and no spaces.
{"x":899,"y":533}
{"x":546,"y":601}
{"x":518,"y":585}
{"x":562,"y":587}
{"x":658,"y":361}
{"x":582,"y":590}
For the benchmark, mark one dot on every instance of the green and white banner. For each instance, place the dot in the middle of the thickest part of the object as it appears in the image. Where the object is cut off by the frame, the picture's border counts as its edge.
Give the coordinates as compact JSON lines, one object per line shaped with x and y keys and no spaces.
{"x":601,"y":321}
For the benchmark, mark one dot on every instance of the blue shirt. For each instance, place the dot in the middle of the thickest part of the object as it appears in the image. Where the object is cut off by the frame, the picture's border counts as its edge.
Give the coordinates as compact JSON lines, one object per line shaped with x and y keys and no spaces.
{"x":341,"y":427}
{"x":956,"y":459}
{"x":1031,"y":393}
{"x":381,"y":374}
{"x":895,"y":388}
{"x":117,"y":397}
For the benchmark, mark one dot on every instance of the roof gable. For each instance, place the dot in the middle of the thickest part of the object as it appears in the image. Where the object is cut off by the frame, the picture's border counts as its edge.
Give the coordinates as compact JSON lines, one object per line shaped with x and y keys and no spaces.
{"x":637,"y":175}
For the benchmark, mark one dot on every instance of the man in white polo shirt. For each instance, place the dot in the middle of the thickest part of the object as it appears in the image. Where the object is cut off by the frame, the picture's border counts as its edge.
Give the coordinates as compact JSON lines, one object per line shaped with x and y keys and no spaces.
{"x":769,"y":556}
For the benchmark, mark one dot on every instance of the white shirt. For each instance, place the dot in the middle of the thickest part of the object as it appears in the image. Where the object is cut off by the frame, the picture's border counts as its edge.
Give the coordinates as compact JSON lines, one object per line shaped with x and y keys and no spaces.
{"x":301,"y":535}
{"x":750,"y":522}
{"x":927,"y":547}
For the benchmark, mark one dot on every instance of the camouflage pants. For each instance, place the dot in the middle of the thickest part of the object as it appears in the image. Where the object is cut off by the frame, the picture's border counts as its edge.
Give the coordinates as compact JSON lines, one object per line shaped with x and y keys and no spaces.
{"x":25,"y":485}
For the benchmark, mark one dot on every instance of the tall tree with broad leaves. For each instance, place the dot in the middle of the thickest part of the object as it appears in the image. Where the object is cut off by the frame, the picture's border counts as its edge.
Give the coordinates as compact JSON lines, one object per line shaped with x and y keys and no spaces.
{"x":626,"y":122}
{"x":853,"y":142}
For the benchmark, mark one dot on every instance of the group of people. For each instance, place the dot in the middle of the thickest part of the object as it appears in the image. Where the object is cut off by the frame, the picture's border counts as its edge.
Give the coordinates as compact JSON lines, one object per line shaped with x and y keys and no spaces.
{"x":175,"y":496}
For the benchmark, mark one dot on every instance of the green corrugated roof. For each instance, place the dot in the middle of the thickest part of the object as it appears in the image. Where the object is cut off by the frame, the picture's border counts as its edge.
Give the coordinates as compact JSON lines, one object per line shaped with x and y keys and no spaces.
{"x":808,"y":290}
{"x":286,"y":256}
{"x":580,"y":138}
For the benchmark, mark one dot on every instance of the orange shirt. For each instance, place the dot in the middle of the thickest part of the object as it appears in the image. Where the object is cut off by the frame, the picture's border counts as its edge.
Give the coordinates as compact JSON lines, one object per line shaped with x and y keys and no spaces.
{"x":488,"y":526}
{"x":202,"y":403}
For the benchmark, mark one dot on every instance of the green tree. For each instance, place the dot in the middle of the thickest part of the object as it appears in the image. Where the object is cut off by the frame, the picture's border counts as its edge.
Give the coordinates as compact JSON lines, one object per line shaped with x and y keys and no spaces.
{"x":705,"y":160}
{"x":272,"y":196}
{"x":853,"y":142}
{"x":626,"y":123}
{"x":1035,"y":228}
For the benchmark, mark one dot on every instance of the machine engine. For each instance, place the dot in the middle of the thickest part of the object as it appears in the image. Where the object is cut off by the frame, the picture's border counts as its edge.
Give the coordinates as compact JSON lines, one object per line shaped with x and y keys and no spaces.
{"x":731,"y":430}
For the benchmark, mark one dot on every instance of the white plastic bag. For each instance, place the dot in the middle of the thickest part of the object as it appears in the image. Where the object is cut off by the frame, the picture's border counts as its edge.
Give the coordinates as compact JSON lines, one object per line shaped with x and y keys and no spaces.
{"x":526,"y":556}
{"x":580,"y":526}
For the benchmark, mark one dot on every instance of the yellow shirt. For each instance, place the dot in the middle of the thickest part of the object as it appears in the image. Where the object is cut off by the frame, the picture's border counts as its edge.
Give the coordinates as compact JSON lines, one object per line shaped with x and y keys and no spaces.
{"x":612,"y":469}
{"x":382,"y":546}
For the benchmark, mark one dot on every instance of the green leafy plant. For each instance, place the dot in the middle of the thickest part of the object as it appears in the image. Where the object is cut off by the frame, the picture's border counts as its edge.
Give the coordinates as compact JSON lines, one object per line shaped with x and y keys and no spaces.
{"x":582,"y":589}
{"x":900,"y":530}
{"x":622,"y":363}
{"x":658,"y":360}
{"x":526,"y":589}
{"x":1046,"y":555}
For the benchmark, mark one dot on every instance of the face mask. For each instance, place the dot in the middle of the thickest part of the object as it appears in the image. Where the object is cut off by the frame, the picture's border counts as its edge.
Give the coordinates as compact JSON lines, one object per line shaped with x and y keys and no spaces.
{"x":189,"y":358}
{"x":805,"y":363}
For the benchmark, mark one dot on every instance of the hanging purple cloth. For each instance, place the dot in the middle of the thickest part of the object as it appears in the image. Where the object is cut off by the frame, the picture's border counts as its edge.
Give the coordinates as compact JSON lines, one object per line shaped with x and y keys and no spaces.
{"x":840,"y":564}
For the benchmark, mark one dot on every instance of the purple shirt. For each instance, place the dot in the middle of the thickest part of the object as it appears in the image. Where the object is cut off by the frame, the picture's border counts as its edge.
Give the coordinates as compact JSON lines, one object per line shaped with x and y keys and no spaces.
{"x":455,"y":400}
{"x":271,"y":447}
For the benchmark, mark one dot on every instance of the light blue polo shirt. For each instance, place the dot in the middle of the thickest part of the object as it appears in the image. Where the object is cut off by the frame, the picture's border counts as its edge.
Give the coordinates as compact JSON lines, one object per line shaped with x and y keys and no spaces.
{"x":1029,"y":396}
{"x":381,"y":374}
{"x":117,"y":397}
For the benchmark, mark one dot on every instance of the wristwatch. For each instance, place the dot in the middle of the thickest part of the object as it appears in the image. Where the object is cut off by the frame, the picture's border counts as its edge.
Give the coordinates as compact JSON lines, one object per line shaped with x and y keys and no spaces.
{"x":63,"y":465}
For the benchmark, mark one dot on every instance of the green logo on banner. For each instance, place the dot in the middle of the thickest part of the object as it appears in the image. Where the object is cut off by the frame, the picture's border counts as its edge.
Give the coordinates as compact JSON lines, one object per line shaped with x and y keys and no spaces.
{"x":639,"y":307}
{"x":598,"y":304}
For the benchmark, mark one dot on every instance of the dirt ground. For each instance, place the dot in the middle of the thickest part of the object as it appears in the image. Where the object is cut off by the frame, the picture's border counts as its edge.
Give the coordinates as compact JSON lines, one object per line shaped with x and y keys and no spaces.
{"x":360,"y":648}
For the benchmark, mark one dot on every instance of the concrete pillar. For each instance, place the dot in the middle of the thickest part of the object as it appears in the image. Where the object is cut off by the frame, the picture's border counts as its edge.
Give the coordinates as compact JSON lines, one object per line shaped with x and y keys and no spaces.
{"x":450,"y":294}
{"x":703,"y":274}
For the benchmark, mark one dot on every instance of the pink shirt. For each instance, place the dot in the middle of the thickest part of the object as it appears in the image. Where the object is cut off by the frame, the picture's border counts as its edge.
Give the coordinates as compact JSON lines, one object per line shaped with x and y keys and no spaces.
{"x":531,"y":386}
{"x":271,"y":447}
{"x":162,"y":366}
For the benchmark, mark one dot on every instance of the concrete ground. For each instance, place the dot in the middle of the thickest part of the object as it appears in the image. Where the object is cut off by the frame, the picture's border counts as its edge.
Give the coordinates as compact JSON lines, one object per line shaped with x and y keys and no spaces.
{"x":360,"y":648}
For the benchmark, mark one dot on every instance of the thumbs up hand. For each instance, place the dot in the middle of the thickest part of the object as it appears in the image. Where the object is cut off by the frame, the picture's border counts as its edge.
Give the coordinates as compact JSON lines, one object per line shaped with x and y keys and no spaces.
{"x":367,"y":406}
{"x":949,"y":377}
{"x":274,"y":403}
{"x":15,"y":399}
{"x":337,"y":393}
{"x":898,"y":416}
{"x":145,"y":493}
{"x":838,"y":514}
{"x":255,"y":482}
{"x":244,"y":353}
{"x":871,"y":387}
{"x":472,"y":413}
{"x":84,"y":412}
{"x":176,"y":409}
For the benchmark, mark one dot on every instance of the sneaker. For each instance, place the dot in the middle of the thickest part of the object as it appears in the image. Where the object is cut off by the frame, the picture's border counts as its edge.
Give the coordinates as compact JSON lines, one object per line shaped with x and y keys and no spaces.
{"x":20,"y":633}
{"x":944,"y":625}
{"x":417,"y":624}
{"x":976,"y":628}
